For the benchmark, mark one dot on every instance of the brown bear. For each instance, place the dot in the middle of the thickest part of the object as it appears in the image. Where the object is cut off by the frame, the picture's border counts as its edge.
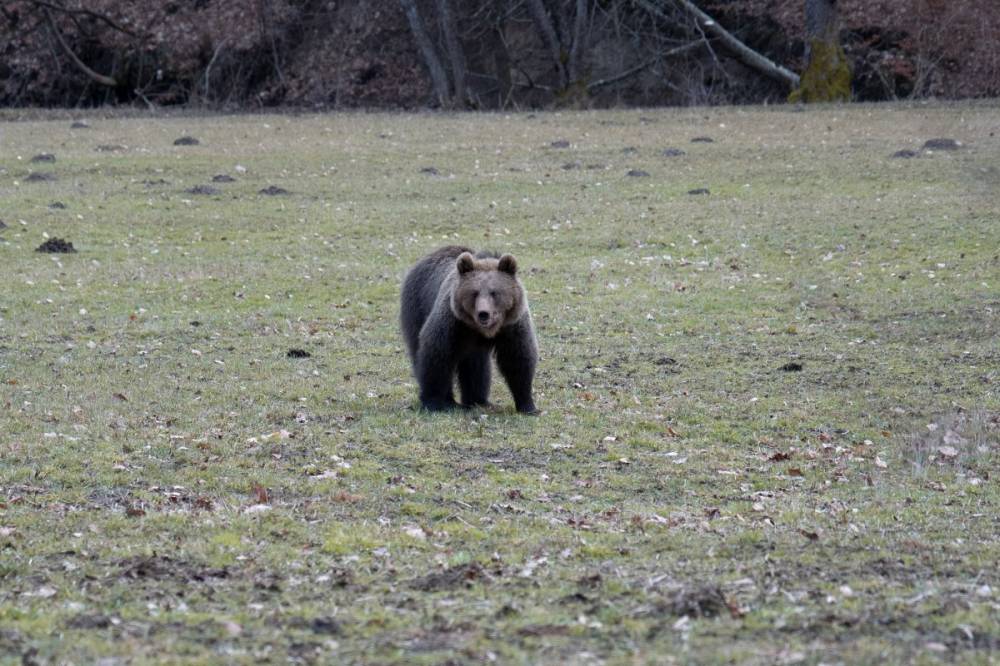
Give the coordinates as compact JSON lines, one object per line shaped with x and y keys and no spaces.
{"x":456,"y":307}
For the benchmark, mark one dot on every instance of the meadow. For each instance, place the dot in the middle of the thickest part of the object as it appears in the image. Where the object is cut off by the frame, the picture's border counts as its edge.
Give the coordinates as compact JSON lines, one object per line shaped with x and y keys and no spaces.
{"x":770,"y":426}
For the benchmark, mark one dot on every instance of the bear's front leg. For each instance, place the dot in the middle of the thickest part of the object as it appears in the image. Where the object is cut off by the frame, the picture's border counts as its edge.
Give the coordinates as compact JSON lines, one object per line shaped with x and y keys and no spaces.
{"x":435,"y":368}
{"x":517,"y":355}
{"x":474,"y":379}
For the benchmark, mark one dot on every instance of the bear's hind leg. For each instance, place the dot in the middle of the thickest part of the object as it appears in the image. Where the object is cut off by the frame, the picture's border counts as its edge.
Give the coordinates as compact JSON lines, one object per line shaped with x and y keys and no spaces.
{"x":474,"y":379}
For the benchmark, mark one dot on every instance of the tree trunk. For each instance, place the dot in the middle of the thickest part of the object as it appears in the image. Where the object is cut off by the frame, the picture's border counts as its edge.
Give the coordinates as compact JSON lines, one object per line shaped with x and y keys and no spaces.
{"x":821,"y":19}
{"x":455,"y":54}
{"x":544,"y":23}
{"x":827,"y":77}
{"x":577,"y":47}
{"x":438,"y":76}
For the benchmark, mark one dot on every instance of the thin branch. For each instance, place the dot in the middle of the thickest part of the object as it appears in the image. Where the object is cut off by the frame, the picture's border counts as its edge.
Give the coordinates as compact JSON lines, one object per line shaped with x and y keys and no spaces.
{"x":208,"y":69}
{"x":100,"y":78}
{"x":611,"y":80}
{"x":85,"y":12}
{"x":266,"y":15}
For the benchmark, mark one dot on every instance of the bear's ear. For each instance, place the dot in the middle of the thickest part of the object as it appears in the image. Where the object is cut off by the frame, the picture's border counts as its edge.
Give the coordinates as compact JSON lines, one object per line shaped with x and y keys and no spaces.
{"x":465,"y":263}
{"x":508,"y":264}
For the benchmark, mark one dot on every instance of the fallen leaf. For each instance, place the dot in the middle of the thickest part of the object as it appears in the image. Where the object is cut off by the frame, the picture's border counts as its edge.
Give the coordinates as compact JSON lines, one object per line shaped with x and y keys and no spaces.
{"x":952,"y":438}
{"x":326,"y":474}
{"x":43,"y":592}
{"x":528,"y":570}
{"x":415,"y":532}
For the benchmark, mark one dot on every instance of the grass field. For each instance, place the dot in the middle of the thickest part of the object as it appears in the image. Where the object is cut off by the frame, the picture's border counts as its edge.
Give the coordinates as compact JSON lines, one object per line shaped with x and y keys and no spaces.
{"x":770,"y":412}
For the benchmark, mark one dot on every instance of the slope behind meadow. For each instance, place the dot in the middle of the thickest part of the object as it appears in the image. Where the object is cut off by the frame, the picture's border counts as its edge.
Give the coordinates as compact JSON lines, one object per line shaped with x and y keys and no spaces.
{"x":770,"y":411}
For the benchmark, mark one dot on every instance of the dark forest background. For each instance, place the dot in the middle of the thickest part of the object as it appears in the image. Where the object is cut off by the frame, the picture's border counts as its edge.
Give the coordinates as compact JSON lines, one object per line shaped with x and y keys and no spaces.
{"x":479,"y":54}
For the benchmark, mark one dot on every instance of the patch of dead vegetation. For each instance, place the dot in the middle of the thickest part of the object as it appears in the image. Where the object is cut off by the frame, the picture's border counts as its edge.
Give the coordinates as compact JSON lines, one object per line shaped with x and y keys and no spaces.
{"x":163,"y":567}
{"x":966,"y":440}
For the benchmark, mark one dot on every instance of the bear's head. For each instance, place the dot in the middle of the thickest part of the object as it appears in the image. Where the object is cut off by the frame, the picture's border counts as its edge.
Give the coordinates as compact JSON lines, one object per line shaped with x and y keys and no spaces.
{"x":488,"y":295}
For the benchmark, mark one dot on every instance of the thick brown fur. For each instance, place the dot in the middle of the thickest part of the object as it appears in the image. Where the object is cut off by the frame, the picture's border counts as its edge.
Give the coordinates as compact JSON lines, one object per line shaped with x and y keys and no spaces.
{"x":457,"y":307}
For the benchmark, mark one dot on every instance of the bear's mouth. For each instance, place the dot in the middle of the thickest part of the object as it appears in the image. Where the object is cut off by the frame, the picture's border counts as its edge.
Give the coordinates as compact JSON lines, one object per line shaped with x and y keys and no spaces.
{"x":490,"y":327}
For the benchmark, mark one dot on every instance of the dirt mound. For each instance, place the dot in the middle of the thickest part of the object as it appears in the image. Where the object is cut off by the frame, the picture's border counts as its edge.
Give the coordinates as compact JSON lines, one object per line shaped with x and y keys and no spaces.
{"x":56,"y":245}
{"x":273,"y":191}
{"x":203,"y":189}
{"x":463,"y":575}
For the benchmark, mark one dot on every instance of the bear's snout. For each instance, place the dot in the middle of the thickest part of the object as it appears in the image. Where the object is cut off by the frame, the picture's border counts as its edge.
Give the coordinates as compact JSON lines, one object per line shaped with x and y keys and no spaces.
{"x":483,"y":316}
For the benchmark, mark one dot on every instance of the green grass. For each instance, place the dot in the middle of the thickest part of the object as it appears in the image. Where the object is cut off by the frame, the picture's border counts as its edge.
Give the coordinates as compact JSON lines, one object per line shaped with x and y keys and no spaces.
{"x":174,"y":488}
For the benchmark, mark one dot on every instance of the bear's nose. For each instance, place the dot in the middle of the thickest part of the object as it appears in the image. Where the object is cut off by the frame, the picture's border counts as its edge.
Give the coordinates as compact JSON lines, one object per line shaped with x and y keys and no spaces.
{"x":484,"y":316}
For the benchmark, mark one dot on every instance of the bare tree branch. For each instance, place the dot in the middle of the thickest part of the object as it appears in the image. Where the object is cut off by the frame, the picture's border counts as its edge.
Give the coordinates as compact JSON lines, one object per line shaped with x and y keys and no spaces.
{"x":84,"y":12}
{"x":100,"y":78}
{"x":265,"y":14}
{"x":747,"y":55}
{"x":501,"y":56}
{"x":208,"y":69}
{"x":611,"y":80}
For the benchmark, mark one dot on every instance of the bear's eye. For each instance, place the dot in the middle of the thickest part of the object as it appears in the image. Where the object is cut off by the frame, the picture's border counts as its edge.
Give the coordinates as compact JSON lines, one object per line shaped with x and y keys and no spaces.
{"x":493,"y":294}
{"x":475,"y":294}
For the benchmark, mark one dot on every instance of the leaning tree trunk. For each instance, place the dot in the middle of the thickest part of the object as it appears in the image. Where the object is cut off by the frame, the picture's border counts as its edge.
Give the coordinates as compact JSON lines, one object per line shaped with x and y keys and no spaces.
{"x":550,"y":39}
{"x":827,"y":77}
{"x":744,"y":53}
{"x":456,"y":56}
{"x":438,"y":76}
